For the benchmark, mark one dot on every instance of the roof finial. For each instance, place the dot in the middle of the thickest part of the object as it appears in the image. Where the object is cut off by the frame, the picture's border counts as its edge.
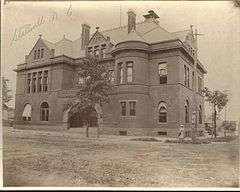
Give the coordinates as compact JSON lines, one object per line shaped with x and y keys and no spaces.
{"x":97,"y":28}
{"x":40,"y":36}
{"x":64,"y":36}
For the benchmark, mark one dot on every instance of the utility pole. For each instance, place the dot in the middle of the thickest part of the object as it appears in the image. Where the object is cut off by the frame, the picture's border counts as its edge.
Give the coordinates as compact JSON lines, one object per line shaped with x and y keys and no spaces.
{"x":194,"y":114}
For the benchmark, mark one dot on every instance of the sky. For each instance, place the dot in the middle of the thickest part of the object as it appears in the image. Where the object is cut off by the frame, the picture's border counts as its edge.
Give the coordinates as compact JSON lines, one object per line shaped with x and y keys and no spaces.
{"x":219,"y":21}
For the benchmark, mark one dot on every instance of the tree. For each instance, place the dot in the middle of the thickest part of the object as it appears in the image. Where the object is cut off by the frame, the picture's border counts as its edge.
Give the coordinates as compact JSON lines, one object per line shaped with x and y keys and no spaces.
{"x":219,"y":100}
{"x":6,"y":92}
{"x":93,"y":89}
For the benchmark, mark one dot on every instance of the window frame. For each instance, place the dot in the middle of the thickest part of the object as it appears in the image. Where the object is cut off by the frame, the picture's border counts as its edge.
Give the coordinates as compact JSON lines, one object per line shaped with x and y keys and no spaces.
{"x":129,"y":66}
{"x":163,"y":76}
{"x":163,"y":105}
{"x":132,"y":111}
{"x":120,"y":73}
{"x":44,"y":112}
{"x":24,"y":118}
{"x":123,"y":108}
{"x":186,"y":111}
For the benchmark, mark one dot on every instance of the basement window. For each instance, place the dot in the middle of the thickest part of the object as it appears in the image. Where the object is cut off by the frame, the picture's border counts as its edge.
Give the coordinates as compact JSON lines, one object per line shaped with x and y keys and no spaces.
{"x":162,"y":133}
{"x":122,"y":132}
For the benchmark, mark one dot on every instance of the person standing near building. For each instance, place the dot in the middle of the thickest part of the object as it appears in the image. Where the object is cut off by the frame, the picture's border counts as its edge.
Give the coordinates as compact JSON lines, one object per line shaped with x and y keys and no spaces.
{"x":181,"y":133}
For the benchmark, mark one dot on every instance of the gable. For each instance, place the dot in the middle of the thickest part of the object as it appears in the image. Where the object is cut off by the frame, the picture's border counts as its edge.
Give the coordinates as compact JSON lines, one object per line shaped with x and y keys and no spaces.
{"x":40,"y":51}
{"x":97,"y":38}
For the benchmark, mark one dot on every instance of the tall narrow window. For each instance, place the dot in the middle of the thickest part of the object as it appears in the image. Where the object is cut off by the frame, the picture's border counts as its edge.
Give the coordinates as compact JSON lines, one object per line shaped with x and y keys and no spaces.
{"x":120,"y":73}
{"x":42,"y":53}
{"x":39,"y":81}
{"x":162,"y":71}
{"x":26,"y":115}
{"x":45,"y":81}
{"x":34,"y":82}
{"x":28,"y":82}
{"x":38,"y":53}
{"x":123,"y":108}
{"x":186,"y":107}
{"x":188,"y":83}
{"x":162,"y":112}
{"x":193,"y":80}
{"x":132,"y":105}
{"x":129,"y":72}
{"x":200,"y":115}
{"x":103,"y":49}
{"x":44,"y":111}
{"x":96,"y":51}
{"x":35,"y":54}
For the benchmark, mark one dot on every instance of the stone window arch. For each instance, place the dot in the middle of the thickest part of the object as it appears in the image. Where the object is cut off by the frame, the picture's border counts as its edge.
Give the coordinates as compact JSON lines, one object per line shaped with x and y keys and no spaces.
{"x":162,"y":112}
{"x":44,"y":111}
{"x":27,"y":112}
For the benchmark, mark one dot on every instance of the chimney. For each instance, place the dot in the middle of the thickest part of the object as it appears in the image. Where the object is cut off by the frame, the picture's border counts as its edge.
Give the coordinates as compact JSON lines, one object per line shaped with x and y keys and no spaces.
{"x":131,"y":21}
{"x":151,"y":16}
{"x":85,"y":35}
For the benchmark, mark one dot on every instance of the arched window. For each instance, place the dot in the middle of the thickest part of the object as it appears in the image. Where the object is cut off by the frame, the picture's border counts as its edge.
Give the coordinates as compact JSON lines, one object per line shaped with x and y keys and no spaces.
{"x":27,"y":112}
{"x":44,"y":111}
{"x":162,"y":112}
{"x":186,"y":108}
{"x":200,"y":115}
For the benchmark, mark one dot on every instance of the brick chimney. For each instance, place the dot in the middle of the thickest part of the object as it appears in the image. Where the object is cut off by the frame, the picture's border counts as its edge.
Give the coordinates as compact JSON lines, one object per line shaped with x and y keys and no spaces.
{"x":151,"y":16}
{"x":131,"y":21}
{"x":85,"y":35}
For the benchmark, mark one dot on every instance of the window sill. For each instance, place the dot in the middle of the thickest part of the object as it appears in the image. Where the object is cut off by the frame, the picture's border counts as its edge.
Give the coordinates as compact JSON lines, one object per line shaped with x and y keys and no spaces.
{"x":162,"y":123}
{"x":128,"y":116}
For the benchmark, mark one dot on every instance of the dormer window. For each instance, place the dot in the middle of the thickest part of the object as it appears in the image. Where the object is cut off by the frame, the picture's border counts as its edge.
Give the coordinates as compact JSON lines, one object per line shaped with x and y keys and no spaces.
{"x":103,"y":48}
{"x":42,"y":53}
{"x":35,"y":54}
{"x":90,"y":50}
{"x":96,"y":51}
{"x":38,"y":53}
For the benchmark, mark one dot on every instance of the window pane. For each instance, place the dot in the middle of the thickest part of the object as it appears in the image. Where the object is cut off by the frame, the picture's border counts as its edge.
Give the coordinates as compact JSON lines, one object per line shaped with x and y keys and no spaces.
{"x":162,"y":72}
{"x":123,"y":110}
{"x":132,"y":108}
{"x":42,"y":53}
{"x":129,"y":73}
{"x":120,"y":73}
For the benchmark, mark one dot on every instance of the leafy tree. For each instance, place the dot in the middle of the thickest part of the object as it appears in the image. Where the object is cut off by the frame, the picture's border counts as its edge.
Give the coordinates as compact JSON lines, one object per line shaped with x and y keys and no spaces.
{"x":93,"y":90}
{"x":6,"y":92}
{"x":219,"y":100}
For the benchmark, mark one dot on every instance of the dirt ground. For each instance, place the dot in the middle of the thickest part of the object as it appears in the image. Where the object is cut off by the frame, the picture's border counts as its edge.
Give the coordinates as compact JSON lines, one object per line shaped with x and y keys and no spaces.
{"x":41,"y":158}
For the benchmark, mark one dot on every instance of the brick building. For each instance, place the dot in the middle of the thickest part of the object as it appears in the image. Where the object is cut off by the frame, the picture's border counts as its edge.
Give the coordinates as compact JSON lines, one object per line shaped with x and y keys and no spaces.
{"x":153,"y":72}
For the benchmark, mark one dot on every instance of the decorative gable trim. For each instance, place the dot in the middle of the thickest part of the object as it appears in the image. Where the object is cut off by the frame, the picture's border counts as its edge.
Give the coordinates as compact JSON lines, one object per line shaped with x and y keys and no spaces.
{"x":97,"y":38}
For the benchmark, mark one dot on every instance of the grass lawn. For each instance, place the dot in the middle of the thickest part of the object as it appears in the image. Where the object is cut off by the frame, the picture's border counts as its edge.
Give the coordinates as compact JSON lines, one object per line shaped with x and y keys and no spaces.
{"x":41,"y":158}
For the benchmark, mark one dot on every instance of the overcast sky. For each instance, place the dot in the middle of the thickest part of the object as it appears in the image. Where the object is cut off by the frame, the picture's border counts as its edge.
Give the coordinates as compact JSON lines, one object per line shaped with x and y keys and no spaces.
{"x":219,"y":21}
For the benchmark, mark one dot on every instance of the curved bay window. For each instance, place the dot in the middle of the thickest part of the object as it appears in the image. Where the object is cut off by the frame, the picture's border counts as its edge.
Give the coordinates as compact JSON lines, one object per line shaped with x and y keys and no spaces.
{"x":27,"y":112}
{"x":200,"y":115}
{"x":44,"y":111}
{"x":186,"y":107}
{"x":162,"y":72}
{"x":162,"y":112}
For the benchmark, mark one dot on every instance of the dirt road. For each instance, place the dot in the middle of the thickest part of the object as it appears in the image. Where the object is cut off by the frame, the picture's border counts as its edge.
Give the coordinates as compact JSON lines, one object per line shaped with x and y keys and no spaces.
{"x":41,"y":158}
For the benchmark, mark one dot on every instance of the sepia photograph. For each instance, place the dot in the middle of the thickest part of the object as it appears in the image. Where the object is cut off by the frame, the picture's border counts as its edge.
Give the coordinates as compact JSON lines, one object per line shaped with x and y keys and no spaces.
{"x":120,"y":95}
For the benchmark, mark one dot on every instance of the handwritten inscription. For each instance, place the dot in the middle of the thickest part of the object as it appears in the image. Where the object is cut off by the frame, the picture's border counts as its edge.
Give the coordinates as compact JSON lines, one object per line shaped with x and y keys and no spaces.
{"x":24,"y":30}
